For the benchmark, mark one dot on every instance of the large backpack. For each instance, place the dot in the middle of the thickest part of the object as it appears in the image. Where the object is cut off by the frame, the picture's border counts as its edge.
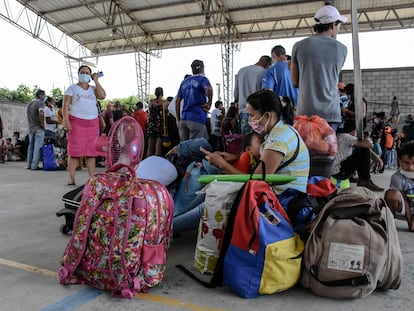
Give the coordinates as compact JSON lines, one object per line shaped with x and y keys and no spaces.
{"x":261,"y":254}
{"x":353,"y":247}
{"x":121,"y":234}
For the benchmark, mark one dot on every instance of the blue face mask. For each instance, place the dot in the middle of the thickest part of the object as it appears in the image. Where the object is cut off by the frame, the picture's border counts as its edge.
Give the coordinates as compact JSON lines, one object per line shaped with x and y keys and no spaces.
{"x":84,"y":78}
{"x":44,"y":99}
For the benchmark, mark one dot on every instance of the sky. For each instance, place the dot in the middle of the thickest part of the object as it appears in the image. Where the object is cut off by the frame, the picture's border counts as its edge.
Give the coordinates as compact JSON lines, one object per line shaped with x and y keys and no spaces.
{"x":24,"y":60}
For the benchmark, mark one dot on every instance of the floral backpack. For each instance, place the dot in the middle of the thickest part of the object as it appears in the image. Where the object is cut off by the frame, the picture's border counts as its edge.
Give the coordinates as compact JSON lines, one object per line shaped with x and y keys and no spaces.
{"x":121,"y":234}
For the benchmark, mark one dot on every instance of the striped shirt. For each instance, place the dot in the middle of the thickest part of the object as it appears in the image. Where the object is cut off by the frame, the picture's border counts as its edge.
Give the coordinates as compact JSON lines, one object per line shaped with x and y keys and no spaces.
{"x":282,"y":138}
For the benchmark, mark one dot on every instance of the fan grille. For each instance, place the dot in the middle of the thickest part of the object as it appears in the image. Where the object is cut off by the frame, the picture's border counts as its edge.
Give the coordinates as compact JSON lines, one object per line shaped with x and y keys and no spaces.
{"x":125,"y":142}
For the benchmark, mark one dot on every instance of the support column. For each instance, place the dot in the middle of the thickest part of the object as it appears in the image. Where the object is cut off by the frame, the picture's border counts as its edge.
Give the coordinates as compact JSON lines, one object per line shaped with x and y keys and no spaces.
{"x":227,"y":54}
{"x":142,"y":65}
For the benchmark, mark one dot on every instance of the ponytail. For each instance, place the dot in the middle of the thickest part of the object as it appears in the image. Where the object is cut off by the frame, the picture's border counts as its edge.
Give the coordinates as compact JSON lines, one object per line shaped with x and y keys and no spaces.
{"x":287,"y":112}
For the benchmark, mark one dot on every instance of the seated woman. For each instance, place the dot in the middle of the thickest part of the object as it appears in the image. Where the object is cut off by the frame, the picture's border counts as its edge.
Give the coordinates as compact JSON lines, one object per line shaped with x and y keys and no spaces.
{"x":282,"y":144}
{"x":283,"y":152}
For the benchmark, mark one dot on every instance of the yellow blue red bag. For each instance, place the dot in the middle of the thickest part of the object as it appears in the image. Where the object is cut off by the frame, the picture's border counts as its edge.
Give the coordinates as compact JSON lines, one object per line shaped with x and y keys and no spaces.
{"x":261,"y":253}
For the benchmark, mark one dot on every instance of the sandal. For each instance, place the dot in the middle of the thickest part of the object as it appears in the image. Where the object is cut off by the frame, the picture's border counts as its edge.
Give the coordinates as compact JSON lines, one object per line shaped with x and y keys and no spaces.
{"x":71,"y":184}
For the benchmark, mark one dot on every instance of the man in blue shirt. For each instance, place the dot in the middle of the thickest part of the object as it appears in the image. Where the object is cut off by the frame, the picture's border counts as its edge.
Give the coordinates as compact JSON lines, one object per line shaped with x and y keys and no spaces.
{"x":277,"y":77}
{"x":197,"y":93}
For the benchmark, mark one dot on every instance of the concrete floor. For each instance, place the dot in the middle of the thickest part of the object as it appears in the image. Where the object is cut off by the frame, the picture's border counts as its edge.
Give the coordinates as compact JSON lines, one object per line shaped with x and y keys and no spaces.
{"x":31,"y":247}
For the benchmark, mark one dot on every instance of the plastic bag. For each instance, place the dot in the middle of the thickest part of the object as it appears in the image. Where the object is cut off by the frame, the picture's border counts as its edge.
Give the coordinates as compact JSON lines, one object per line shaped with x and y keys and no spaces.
{"x":317,"y":134}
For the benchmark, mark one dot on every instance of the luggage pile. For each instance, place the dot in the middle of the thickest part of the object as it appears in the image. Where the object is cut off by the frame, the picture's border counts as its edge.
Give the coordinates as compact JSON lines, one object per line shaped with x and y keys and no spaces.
{"x":351,"y":248}
{"x":337,"y":244}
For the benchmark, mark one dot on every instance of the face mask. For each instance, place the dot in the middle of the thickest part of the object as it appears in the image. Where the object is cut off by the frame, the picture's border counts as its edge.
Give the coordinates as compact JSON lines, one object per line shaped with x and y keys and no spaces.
{"x":259,"y":129}
{"x":407,"y":174}
{"x":84,"y":78}
{"x":44,"y":99}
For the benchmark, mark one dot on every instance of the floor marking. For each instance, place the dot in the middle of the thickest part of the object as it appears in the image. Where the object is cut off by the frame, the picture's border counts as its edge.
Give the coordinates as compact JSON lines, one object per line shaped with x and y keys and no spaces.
{"x":73,"y":301}
{"x":70,"y":302}
{"x":174,"y":302}
{"x":25,"y":267}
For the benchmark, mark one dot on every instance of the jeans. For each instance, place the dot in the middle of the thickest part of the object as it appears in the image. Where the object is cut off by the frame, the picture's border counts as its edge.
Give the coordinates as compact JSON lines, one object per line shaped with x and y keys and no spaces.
{"x":34,"y":148}
{"x":335,"y":125}
{"x":389,"y":158}
{"x":189,"y":150}
{"x":189,"y":220}
{"x":50,"y":134}
{"x":244,"y":127}
{"x":190,"y":130}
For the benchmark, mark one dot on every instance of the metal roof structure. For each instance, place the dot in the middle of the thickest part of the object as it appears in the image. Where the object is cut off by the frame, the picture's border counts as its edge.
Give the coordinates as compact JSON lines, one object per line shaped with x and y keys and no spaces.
{"x":82,"y":30}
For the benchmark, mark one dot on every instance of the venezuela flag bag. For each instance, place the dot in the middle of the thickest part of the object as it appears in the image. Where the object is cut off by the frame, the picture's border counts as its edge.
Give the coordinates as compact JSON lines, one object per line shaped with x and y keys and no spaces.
{"x":261,"y":253}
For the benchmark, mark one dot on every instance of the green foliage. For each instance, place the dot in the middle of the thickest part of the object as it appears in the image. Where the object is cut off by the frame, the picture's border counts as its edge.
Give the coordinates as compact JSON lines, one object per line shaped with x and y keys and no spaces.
{"x":25,"y":94}
{"x":57,"y":93}
{"x":21,"y":94}
{"x":130,"y":101}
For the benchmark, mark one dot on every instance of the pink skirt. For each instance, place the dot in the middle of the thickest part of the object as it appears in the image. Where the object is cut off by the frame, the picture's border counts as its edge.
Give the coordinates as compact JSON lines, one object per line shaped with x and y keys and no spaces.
{"x":81,"y":140}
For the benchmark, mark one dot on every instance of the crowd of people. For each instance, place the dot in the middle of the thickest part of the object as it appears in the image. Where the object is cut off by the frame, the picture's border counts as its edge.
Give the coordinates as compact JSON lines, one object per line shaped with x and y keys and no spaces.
{"x":267,"y":97}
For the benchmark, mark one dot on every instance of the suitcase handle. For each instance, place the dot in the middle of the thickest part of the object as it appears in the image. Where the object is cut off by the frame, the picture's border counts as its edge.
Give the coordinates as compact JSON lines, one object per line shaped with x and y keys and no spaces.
{"x":119,"y":166}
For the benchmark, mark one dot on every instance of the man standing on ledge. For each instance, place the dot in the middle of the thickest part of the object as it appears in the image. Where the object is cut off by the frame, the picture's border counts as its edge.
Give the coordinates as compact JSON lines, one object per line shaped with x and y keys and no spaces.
{"x":316,"y":64}
{"x":197,"y":93}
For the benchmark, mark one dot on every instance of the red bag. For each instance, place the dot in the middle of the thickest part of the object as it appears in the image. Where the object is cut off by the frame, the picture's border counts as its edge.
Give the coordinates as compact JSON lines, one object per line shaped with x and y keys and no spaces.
{"x":317,"y":134}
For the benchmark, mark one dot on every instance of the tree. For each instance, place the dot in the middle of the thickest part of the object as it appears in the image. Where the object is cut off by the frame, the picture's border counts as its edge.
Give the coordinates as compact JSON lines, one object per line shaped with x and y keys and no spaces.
{"x":21,"y":94}
{"x":57,"y":93}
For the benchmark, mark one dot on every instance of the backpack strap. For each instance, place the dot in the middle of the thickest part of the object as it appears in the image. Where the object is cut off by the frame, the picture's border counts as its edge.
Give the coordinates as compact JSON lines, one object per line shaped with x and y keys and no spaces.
{"x":293,"y":158}
{"x":66,"y":271}
{"x":356,"y":281}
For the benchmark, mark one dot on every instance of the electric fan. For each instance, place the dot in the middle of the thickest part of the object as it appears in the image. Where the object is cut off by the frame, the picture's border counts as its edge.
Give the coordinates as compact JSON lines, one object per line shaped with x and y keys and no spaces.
{"x":124,"y":143}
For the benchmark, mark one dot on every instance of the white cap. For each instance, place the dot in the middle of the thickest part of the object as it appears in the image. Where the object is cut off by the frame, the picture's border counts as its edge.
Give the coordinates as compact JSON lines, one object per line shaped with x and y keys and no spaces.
{"x":329,"y":14}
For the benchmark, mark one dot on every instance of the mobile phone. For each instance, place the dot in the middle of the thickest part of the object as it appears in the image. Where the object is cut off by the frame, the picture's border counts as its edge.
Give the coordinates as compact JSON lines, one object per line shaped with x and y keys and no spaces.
{"x":100,"y":74}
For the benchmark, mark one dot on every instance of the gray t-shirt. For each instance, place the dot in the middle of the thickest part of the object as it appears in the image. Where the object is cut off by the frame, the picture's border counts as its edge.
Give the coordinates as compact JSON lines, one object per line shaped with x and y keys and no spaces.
{"x":248,"y":81}
{"x":33,"y":115}
{"x":319,"y":59}
{"x":402,"y":183}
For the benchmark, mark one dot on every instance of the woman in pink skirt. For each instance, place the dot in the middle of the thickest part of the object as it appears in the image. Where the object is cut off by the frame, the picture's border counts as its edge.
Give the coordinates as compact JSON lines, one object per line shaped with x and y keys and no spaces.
{"x":80,"y":120}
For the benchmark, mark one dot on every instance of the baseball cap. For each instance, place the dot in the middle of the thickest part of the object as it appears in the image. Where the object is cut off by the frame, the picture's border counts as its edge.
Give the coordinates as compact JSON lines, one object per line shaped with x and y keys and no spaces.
{"x":329,"y":14}
{"x":197,"y":64}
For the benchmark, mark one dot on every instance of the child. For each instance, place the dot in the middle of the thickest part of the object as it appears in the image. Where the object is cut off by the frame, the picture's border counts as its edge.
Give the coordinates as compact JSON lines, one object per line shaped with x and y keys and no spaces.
{"x":400,"y":196}
{"x":376,"y":148}
{"x":3,"y":150}
{"x":245,"y":162}
{"x":9,"y":149}
{"x":251,"y":153}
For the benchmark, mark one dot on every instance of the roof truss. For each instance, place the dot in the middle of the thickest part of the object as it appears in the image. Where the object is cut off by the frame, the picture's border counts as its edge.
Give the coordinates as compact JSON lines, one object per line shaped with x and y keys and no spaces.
{"x":91,"y":28}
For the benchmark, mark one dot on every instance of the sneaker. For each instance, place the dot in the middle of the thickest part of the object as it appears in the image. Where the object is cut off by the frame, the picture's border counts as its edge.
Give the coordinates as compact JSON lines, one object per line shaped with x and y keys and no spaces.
{"x":367,"y":183}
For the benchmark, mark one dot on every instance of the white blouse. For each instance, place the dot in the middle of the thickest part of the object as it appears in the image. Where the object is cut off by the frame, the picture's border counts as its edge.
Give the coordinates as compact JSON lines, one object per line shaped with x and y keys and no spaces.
{"x":83,"y":104}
